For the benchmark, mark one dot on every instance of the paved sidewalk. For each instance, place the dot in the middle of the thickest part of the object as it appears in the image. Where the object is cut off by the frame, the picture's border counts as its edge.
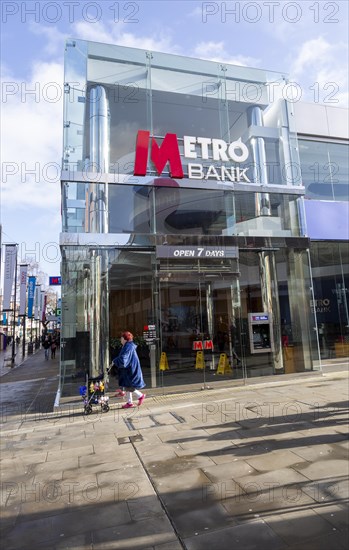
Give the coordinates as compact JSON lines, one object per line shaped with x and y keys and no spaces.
{"x":6,"y":356}
{"x":263,"y":466}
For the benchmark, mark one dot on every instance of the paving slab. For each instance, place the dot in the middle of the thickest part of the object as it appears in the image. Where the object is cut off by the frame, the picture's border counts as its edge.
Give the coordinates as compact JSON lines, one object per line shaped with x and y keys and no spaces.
{"x":122,"y":456}
{"x":135,"y":536}
{"x":38,"y":531}
{"x":210,"y":516}
{"x":276,"y":478}
{"x":56,"y":465}
{"x":317,"y":452}
{"x":323,"y":468}
{"x":136,"y":474}
{"x":254,"y":534}
{"x":180,"y":472}
{"x":298,"y":526}
{"x":275,"y":459}
{"x":328,"y":490}
{"x":267,"y":500}
{"x":334,"y":541}
{"x":183,"y":435}
{"x":177,"y":465}
{"x":336,"y":514}
{"x":230,"y":470}
{"x":76,"y":451}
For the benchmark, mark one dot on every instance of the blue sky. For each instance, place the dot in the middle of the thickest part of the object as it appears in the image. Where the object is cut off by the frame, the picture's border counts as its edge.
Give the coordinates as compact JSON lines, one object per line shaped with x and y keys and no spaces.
{"x":306,"y":40}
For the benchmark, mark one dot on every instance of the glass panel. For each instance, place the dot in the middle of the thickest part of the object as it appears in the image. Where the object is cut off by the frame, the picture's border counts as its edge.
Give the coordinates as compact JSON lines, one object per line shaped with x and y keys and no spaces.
{"x":127,"y":102}
{"x":74,"y":207}
{"x":178,"y":210}
{"x":198,"y":322}
{"x":244,"y":75}
{"x":298,"y":337}
{"x":325,"y":170}
{"x":74,"y":350}
{"x":187,"y":112}
{"x":130,"y":209}
{"x":218,"y":212}
{"x":330,"y":270}
{"x":132,"y":305}
{"x":192,"y":212}
{"x":74,"y":103}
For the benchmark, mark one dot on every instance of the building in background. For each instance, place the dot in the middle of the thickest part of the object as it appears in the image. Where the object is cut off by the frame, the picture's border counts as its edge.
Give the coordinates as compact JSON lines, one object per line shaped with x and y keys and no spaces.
{"x":185,"y":198}
{"x":323,"y":148}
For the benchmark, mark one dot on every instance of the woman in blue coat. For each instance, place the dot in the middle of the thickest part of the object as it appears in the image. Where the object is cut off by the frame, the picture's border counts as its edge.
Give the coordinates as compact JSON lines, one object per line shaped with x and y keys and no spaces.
{"x":130,"y":372}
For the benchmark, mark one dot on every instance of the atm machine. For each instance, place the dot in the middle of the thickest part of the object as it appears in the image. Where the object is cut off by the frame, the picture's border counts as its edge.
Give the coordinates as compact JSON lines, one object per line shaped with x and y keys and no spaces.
{"x":261,"y":332}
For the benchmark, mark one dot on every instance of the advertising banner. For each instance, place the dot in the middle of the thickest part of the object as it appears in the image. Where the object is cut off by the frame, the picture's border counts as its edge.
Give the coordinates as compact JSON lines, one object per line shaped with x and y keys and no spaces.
{"x":10,"y":265}
{"x":31,"y":293}
{"x":37,"y":303}
{"x":43,"y":305}
{"x":23,"y":269}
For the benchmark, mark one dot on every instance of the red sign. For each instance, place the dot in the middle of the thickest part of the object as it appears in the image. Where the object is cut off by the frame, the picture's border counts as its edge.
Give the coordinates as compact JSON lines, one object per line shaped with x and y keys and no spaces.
{"x":197,"y":345}
{"x":55,"y":281}
{"x":167,"y":152}
{"x":208,"y":344}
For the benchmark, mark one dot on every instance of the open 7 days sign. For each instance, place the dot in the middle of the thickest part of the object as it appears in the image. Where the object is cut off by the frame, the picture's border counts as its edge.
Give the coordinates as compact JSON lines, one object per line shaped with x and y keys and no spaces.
{"x":193,"y":147}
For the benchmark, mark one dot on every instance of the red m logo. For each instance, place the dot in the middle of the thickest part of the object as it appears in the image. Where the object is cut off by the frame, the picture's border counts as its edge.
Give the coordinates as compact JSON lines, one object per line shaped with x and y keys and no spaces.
{"x":167,"y":152}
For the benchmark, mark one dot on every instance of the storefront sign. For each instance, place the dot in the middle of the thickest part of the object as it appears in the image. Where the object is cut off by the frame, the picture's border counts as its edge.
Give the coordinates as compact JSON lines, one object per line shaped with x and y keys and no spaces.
{"x":54,"y":281}
{"x":260,"y":317}
{"x":189,"y":252}
{"x":149,"y":333}
{"x":193,"y":148}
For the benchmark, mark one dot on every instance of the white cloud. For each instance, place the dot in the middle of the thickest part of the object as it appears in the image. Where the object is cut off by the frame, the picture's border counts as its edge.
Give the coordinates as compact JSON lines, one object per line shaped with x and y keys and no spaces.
{"x":112,"y":34}
{"x":33,"y":122}
{"x":215,"y":51}
{"x":321,"y":68}
{"x":32,"y":138}
{"x":316,"y":51}
{"x":54,"y":39}
{"x":196,"y":12}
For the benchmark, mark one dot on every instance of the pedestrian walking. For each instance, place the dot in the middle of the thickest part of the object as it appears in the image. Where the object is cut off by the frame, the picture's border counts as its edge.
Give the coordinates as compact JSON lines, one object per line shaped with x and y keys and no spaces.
{"x":53,"y":349}
{"x":46,"y":345}
{"x":129,"y":369}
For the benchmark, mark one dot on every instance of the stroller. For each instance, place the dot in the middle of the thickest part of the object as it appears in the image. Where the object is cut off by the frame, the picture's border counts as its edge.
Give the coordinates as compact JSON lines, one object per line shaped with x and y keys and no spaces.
{"x":93,"y":393}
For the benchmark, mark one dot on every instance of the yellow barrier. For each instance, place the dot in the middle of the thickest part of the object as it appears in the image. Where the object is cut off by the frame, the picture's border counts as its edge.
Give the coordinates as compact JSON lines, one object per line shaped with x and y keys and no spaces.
{"x":223,"y":365}
{"x":341,"y":349}
{"x":200,"y":361}
{"x":163,"y":362}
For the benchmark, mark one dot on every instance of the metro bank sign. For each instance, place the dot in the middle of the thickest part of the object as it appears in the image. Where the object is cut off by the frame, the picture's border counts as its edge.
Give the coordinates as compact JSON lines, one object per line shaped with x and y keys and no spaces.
{"x":194,"y":148}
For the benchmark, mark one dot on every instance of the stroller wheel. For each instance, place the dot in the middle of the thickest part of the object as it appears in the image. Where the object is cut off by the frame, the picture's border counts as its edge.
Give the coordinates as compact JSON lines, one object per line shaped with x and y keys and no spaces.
{"x":105,"y":408}
{"x":88,"y":409}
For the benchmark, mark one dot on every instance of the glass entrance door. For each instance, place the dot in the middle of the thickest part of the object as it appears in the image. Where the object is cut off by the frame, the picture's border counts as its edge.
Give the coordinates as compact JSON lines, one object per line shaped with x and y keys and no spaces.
{"x":199,"y":313}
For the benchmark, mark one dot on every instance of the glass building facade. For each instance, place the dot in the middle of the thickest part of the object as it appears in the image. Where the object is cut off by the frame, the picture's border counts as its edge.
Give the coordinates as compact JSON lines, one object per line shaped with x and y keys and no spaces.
{"x":184,"y":191}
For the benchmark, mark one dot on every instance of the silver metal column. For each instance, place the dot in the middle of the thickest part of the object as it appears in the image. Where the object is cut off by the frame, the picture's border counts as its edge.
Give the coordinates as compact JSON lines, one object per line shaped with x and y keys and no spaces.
{"x":270,"y":302}
{"x":262,"y":200}
{"x":303,"y":319}
{"x":267,"y":267}
{"x":99,"y":159}
{"x":209,"y":309}
{"x":209,"y":312}
{"x":98,"y":223}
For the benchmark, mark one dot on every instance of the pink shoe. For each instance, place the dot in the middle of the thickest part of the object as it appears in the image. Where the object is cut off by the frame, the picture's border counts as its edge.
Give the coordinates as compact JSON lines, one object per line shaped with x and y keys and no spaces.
{"x":128,"y":406}
{"x":141,"y":399}
{"x":120,"y":393}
